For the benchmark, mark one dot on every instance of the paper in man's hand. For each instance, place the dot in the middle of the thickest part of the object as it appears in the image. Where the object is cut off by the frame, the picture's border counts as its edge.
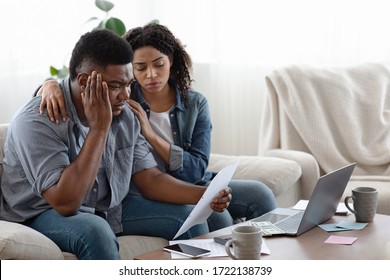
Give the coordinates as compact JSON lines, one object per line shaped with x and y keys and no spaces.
{"x":202,"y":210}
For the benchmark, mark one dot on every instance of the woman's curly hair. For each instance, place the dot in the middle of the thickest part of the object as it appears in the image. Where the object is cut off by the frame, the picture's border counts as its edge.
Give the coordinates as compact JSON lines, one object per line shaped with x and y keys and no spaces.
{"x":162,"y":39}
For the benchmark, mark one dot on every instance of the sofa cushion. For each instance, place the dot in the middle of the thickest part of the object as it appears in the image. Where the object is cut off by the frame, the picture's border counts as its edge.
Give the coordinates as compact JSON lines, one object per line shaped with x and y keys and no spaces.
{"x":278,"y":174}
{"x":21,"y":242}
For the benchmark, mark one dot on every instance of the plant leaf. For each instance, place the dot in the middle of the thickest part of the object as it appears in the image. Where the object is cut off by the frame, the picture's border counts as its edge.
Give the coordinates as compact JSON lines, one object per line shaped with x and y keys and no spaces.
{"x":116,"y":25}
{"x":104,"y":5}
{"x":53,"y":71}
{"x":91,"y":19}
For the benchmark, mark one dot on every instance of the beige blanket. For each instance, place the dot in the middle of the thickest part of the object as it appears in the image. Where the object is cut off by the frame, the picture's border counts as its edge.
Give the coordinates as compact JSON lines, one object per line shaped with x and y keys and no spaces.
{"x":339,"y":115}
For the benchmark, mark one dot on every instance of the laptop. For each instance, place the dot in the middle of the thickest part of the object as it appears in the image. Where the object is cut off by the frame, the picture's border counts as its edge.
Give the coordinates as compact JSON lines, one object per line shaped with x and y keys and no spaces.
{"x":321,"y":207}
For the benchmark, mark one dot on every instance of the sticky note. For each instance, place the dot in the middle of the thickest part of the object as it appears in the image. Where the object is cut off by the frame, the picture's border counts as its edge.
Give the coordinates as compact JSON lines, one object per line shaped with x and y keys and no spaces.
{"x":344,"y":240}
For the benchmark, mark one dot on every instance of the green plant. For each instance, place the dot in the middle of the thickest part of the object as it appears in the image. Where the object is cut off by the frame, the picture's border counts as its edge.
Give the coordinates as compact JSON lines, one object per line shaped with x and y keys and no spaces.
{"x":110,"y":23}
{"x":107,"y":22}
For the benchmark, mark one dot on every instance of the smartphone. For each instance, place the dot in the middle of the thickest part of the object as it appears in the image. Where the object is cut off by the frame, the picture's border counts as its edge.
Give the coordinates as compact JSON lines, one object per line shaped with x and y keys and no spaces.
{"x":187,"y":250}
{"x":222,"y":239}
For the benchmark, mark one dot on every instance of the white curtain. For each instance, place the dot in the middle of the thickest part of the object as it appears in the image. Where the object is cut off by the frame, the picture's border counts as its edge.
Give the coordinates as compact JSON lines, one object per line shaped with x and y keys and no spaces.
{"x":234,"y":44}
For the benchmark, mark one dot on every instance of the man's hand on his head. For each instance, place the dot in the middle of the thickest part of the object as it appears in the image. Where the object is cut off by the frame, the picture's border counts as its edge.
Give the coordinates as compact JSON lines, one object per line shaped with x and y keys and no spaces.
{"x":96,"y":103}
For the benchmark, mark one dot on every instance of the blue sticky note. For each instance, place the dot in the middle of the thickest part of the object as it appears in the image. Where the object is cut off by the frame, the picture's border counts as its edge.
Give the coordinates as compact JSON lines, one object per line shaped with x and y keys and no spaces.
{"x":351,"y":226}
{"x":332,"y":227}
{"x":341,"y":226}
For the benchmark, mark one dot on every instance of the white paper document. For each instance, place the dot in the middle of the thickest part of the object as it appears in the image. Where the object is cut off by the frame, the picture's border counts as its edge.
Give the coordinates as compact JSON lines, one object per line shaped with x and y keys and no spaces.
{"x":202,"y":210}
{"x":341,"y":209}
{"x":216,"y":249}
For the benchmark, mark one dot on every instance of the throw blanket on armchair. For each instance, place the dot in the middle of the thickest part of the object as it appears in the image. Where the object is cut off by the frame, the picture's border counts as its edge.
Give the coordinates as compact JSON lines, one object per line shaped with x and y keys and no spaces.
{"x":339,"y":115}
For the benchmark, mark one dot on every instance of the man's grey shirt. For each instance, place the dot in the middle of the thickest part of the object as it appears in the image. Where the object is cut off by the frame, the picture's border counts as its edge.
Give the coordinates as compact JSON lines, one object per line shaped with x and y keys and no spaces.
{"x":37,"y":151}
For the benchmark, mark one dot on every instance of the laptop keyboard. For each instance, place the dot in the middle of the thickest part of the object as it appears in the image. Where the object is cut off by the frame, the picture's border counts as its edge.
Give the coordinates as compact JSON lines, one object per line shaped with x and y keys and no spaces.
{"x":291,"y":223}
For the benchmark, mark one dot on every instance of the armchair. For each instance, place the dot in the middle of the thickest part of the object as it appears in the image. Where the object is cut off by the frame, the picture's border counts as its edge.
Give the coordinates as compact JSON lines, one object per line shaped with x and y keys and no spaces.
{"x":337,"y":115}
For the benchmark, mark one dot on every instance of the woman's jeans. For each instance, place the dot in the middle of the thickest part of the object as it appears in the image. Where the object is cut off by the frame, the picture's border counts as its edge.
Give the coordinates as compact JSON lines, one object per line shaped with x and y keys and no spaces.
{"x":250,"y":199}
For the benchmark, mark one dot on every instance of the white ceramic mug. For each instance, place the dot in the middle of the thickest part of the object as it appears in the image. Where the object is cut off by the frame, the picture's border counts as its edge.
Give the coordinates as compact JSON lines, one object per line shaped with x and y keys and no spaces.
{"x":246,"y":242}
{"x":365,"y":201}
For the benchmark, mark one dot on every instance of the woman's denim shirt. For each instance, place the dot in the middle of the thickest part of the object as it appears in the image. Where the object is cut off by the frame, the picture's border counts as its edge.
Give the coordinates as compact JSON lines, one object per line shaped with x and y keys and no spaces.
{"x":191,"y":130}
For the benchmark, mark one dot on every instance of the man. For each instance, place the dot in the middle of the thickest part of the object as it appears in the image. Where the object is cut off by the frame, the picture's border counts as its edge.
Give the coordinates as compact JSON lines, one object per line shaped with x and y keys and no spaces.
{"x":71,"y":181}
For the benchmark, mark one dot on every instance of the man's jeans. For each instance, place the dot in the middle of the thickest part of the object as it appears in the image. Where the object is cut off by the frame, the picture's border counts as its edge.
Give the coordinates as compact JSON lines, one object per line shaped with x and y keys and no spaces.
{"x":89,"y":236}
{"x":86,"y":235}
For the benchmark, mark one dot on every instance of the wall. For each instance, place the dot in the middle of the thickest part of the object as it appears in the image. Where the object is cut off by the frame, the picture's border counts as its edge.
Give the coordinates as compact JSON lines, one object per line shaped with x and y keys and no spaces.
{"x":234,"y":44}
{"x":37,"y":34}
{"x":236,"y":103}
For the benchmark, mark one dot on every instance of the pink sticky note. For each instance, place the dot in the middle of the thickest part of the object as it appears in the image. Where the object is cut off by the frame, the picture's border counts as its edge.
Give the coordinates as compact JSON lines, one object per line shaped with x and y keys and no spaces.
{"x":346,"y":240}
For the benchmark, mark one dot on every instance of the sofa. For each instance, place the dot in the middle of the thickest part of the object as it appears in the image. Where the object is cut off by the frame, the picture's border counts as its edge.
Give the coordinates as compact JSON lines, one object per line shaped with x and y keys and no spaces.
{"x":338,"y":115}
{"x":290,"y":179}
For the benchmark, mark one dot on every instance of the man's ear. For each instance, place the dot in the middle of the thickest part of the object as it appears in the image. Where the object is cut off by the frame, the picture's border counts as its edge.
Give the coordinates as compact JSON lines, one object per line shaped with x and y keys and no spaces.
{"x":82,"y":79}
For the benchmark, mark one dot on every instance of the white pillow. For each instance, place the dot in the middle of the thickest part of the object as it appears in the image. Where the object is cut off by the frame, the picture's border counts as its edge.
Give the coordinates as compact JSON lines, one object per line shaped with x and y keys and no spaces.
{"x":277,"y":173}
{"x":24,"y":243}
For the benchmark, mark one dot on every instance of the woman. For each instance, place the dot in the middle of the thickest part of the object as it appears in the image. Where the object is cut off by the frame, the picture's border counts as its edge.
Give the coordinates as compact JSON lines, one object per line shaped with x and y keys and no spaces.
{"x":175,"y":120}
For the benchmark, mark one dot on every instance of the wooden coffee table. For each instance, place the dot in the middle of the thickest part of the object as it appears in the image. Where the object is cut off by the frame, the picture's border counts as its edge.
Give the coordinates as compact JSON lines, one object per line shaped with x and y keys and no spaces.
{"x":373,"y":243}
